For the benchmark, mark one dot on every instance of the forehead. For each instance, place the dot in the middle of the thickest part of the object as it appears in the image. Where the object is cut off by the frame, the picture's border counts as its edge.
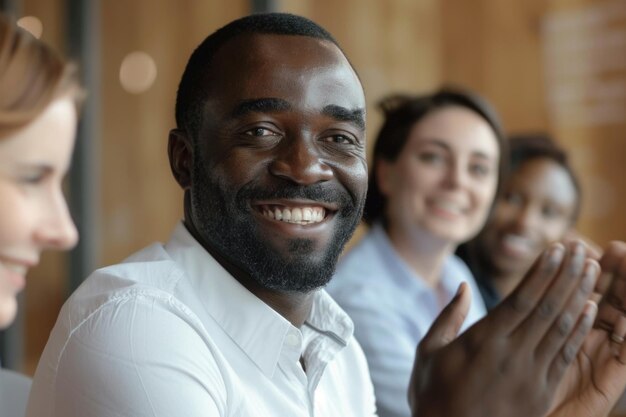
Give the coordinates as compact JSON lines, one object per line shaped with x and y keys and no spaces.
{"x":307,"y":72}
{"x":544,"y":178}
{"x":49,"y":138}
{"x":458,"y":127}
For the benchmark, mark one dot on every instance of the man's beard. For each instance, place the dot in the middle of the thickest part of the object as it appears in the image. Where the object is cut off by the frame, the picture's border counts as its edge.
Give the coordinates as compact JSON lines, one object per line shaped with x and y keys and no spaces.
{"x":226,"y":222}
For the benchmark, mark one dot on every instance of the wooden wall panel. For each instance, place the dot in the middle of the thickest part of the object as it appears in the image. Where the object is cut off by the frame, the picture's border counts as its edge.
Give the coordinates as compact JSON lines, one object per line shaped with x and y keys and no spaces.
{"x":586,"y":66}
{"x":494,"y":48}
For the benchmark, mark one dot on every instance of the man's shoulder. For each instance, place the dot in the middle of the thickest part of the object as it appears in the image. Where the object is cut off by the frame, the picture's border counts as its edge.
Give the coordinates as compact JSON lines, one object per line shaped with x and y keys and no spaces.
{"x":148,"y":277}
{"x":150,"y":268}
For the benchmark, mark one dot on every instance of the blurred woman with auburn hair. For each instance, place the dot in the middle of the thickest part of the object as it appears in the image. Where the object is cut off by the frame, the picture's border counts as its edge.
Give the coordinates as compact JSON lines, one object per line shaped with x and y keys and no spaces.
{"x":39,"y":92}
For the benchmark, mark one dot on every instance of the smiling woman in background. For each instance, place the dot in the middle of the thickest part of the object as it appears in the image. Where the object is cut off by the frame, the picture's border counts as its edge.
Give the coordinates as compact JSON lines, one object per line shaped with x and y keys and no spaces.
{"x":38,"y":114}
{"x":436,"y":169}
{"x":538,"y":205}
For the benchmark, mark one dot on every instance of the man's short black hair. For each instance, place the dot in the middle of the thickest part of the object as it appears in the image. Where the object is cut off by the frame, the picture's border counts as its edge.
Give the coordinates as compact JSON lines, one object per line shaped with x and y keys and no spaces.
{"x":192,"y":90}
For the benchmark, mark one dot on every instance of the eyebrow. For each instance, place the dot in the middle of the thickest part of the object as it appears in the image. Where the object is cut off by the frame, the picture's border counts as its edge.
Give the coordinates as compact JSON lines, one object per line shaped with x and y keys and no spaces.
{"x":270,"y":105}
{"x":356,"y":116}
{"x":440,"y":143}
{"x":34,"y":167}
{"x":260,"y":105}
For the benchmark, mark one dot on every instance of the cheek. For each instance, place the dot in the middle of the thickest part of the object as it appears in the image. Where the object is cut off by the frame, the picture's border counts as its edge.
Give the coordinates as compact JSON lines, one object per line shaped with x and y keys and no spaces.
{"x":16,"y":216}
{"x":8,"y":305}
{"x":231,"y":173}
{"x":240,"y":165}
{"x":554,"y":230}
{"x":503,"y":215}
{"x":484,"y":198}
{"x":354,"y":176}
{"x":416,"y":184}
{"x":489,"y":192}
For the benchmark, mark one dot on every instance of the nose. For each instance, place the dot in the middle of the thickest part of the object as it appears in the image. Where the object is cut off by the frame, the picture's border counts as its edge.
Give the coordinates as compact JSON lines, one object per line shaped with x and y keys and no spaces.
{"x":56,"y":229}
{"x":456,"y":175}
{"x":526,"y":218}
{"x":298,"y":160}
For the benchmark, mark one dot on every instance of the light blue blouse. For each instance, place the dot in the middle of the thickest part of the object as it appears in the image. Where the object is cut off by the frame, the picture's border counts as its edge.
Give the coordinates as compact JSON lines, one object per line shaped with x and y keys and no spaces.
{"x":392,"y":309}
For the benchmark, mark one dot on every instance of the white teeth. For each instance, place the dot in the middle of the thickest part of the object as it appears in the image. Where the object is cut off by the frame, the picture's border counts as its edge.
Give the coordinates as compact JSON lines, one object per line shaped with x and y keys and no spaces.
{"x":449,"y":206}
{"x":516,"y":240}
{"x":19,"y":269}
{"x":298,"y":215}
{"x":518,"y":245}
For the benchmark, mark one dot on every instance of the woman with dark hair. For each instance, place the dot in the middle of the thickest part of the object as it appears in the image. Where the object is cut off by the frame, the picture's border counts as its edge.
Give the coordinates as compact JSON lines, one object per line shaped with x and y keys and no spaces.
{"x":38,"y":115}
{"x":538,"y":205}
{"x":435,"y":172}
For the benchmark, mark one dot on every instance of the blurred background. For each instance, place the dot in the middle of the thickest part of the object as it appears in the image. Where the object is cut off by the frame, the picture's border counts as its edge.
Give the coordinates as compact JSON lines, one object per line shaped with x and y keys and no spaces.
{"x":556,"y":66}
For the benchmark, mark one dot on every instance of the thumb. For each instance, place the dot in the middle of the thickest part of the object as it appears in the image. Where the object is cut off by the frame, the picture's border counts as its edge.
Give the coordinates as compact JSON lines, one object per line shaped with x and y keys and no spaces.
{"x":448,"y":324}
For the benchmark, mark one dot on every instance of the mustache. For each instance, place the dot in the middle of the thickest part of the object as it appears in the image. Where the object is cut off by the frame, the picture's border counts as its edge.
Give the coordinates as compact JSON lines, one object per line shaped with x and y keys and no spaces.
{"x":316,"y":192}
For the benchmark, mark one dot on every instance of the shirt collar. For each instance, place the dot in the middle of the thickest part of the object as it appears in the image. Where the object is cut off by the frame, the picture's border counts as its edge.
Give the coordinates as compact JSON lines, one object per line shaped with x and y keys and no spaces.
{"x":253,"y":325}
{"x":453,"y":272}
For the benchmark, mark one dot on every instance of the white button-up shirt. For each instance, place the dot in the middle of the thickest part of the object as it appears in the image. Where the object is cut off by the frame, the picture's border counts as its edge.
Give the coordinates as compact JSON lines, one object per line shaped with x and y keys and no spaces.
{"x":169,"y":332}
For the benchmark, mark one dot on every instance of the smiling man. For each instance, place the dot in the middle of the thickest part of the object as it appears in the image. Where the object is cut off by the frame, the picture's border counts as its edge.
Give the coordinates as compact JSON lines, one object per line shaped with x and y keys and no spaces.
{"x":280,"y":186}
{"x":225,"y":318}
{"x":228,"y":317}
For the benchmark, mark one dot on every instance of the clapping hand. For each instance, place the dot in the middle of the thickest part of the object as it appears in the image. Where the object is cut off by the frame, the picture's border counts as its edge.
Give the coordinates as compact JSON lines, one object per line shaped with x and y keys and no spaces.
{"x":514,"y":361}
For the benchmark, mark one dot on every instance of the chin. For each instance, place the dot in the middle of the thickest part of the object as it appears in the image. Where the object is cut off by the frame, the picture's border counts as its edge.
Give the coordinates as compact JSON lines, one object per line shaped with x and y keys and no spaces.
{"x":8,"y":310}
{"x":510,"y":266}
{"x":450,"y":235}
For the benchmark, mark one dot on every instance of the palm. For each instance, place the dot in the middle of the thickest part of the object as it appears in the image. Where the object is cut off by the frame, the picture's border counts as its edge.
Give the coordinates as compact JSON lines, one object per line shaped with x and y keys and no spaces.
{"x":594,"y":381}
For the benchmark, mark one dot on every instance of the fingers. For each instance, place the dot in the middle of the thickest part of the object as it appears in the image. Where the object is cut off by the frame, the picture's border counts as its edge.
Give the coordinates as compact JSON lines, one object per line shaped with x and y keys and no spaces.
{"x":619,"y":331}
{"x":610,"y":262}
{"x":516,"y":308}
{"x":573,"y":344}
{"x":613,"y":256}
{"x":562,"y":327}
{"x":555,"y":305}
{"x":613,"y":304}
{"x":447,"y":325}
{"x":616,"y":339}
{"x":593,"y":250}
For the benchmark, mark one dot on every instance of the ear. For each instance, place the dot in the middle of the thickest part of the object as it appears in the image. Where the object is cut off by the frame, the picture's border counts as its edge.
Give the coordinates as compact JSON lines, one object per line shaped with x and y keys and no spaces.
{"x":385,"y":173}
{"x":180,"y":152}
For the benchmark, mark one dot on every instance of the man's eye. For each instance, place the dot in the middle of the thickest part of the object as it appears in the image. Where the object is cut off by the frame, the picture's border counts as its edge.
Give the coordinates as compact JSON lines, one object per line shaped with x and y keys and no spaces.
{"x":260,"y":132}
{"x":341,"y":139}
